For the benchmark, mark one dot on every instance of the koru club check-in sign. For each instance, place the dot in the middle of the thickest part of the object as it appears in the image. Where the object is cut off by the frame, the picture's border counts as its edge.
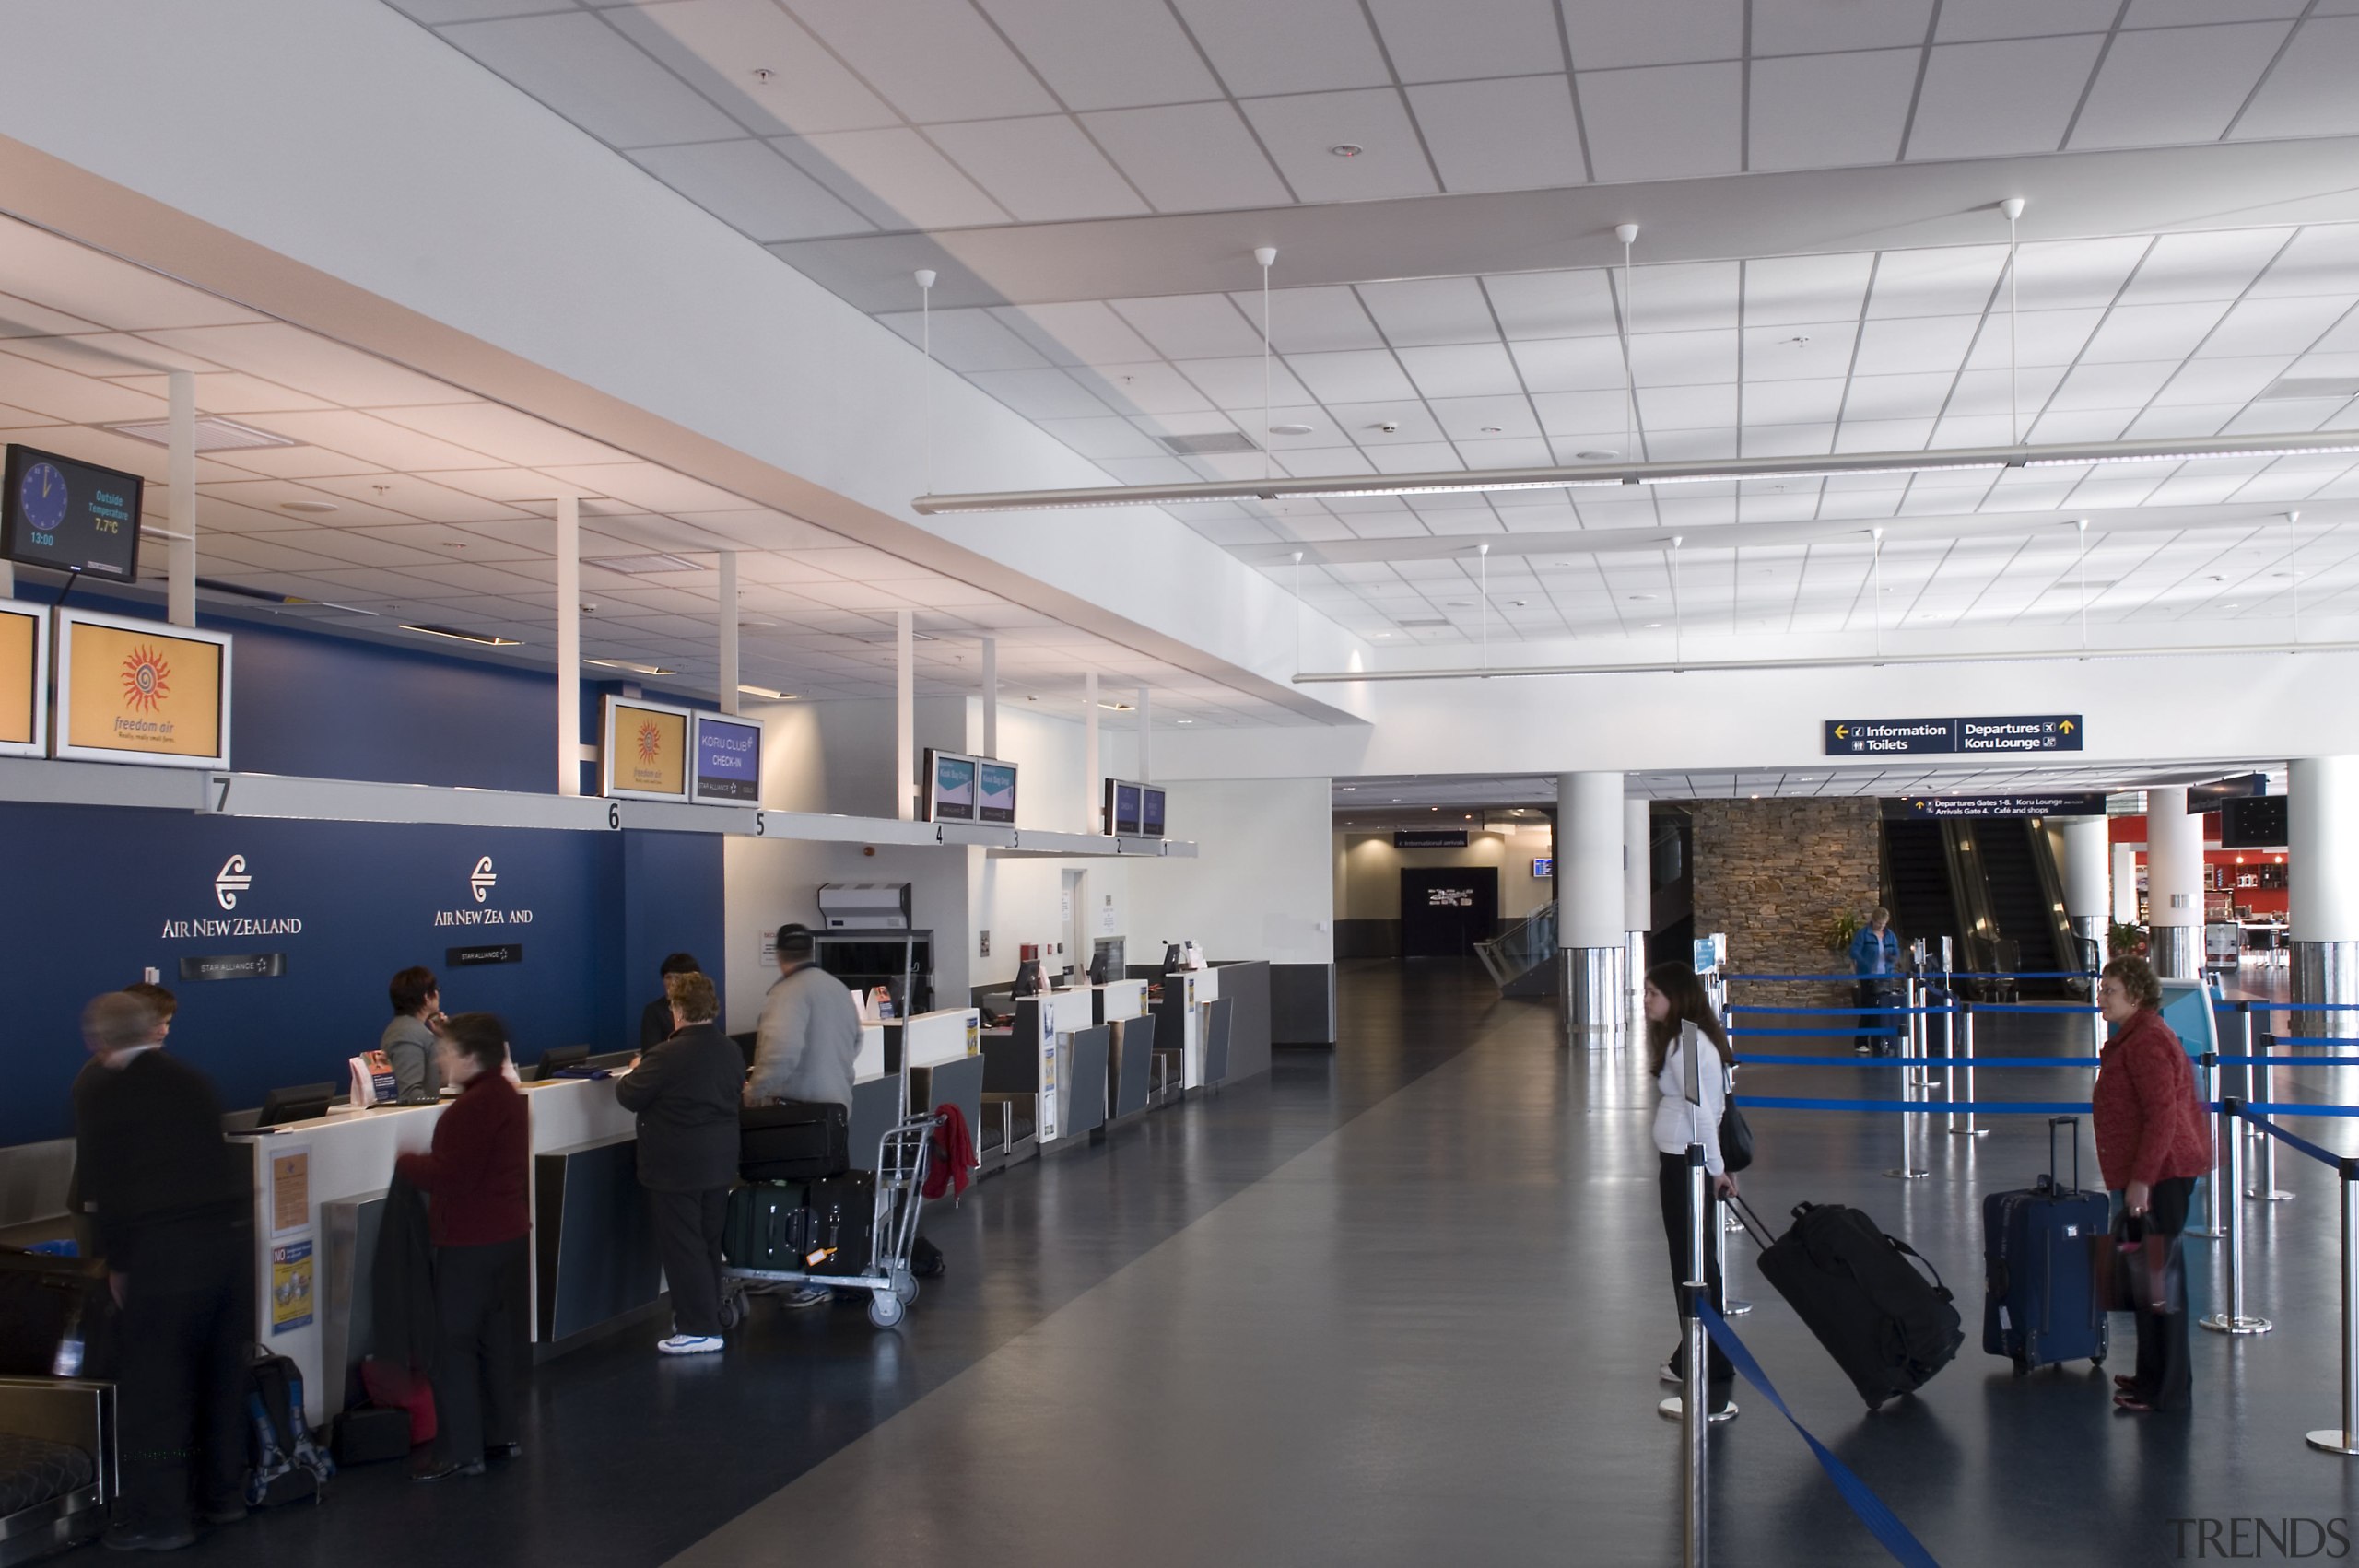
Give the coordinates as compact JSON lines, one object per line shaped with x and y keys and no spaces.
{"x":1918,"y":737}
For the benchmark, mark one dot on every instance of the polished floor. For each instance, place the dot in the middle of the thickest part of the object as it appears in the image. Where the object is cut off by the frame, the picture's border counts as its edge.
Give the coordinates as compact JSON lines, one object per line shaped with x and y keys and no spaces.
{"x":1402,"y":1303}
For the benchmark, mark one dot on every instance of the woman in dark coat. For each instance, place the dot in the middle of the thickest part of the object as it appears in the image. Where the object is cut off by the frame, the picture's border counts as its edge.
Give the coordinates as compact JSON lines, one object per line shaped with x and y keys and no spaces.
{"x":686,"y":1093}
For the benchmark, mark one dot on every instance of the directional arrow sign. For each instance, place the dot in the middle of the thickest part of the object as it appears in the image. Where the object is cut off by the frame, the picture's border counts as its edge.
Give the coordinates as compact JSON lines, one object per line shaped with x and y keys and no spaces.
{"x":1916,"y":737}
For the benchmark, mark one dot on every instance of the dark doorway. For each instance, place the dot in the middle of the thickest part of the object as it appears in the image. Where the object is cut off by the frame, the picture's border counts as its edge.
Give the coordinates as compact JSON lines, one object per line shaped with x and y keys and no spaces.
{"x":1445,"y":910}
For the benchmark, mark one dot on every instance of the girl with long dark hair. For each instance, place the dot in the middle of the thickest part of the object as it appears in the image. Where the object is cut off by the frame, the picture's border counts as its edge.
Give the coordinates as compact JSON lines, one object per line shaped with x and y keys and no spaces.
{"x":1680,"y":1017}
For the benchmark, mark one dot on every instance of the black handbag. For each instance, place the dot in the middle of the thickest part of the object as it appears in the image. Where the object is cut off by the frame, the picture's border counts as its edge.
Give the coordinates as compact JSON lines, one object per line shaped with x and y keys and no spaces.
{"x":1736,"y":1139}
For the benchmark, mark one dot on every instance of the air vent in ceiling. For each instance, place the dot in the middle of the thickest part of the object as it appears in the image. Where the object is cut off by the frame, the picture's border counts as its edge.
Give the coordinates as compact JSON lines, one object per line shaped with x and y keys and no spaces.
{"x":212,"y":435}
{"x":2286,"y":387}
{"x":1213,"y":445}
{"x":641,"y":565}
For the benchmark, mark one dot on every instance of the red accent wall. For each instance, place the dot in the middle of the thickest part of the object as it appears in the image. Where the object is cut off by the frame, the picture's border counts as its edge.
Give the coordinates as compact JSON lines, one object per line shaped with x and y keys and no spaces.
{"x":2259,"y":900}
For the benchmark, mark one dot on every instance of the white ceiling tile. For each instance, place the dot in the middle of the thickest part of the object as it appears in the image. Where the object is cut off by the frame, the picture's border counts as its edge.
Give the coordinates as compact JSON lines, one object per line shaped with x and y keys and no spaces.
{"x":1683,"y":358}
{"x":1238,"y":383}
{"x":2151,"y":332}
{"x":1359,"y":421}
{"x":1103,"y":437}
{"x":2126,"y":386}
{"x":1192,"y":326}
{"x":1963,"y":20}
{"x":967,"y":340}
{"x":2275,"y":326}
{"x":2322,"y":259}
{"x":1303,"y":46}
{"x":2203,"y":266}
{"x":931,"y":59}
{"x":1831,"y":111}
{"x":2077,"y":426}
{"x":2000,"y":100}
{"x":1516,"y":134}
{"x":1571,"y":364}
{"x":1147,"y":388}
{"x":2201,"y":382}
{"x":1690,"y":446}
{"x":2190,"y":13}
{"x":1086,"y":333}
{"x":2072,"y":273}
{"x":1431,"y":310}
{"x":1189,"y":157}
{"x":1041,"y":169}
{"x":503,"y":433}
{"x":1553,"y":304}
{"x":1686,"y":297}
{"x":1661,"y":32}
{"x":2175,"y":85}
{"x":586,"y":71}
{"x":1914,"y":343}
{"x":1798,"y":351}
{"x":897,"y":179}
{"x":1685,"y":408}
{"x":749,"y":186}
{"x":646,"y":485}
{"x":1786,"y":440}
{"x":218,"y":391}
{"x":1950,"y":280}
{"x":1662,"y":122}
{"x":1467,"y":370}
{"x":1583,"y":412}
{"x":2195,"y":419}
{"x":1354,"y":377}
{"x":365,"y":437}
{"x":2309,"y":94}
{"x":1040,"y":394}
{"x":2035,"y":337}
{"x":1309,"y":321}
{"x":1473,"y":420}
{"x":1417,"y":458}
{"x":1106,"y":54}
{"x":716,"y":46}
{"x":1298,"y":132}
{"x":1918,"y":396}
{"x":1811,"y":27}
{"x":1781,"y":289}
{"x":2001,"y":390}
{"x":1818,"y":401}
{"x":1468,"y":38}
{"x":293,"y":357}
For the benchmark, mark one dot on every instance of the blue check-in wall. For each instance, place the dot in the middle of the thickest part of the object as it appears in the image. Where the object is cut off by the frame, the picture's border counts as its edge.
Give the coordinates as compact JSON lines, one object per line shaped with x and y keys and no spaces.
{"x":96,"y":895}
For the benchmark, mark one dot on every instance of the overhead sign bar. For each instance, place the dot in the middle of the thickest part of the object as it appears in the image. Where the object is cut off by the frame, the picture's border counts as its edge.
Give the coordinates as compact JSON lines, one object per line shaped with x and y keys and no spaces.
{"x":1950,"y":737}
{"x":1941,"y":807}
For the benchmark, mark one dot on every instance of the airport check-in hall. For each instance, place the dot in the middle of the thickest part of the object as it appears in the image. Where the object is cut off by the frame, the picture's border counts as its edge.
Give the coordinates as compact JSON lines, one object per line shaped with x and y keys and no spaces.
{"x":1179,"y":782}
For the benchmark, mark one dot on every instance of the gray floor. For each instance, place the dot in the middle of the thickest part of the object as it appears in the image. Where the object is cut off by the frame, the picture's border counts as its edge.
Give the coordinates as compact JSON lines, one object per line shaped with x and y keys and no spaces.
{"x":1431,"y":1336}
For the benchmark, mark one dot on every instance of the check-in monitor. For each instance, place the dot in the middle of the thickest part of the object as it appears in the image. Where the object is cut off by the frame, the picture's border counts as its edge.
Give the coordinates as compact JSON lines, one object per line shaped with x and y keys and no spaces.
{"x":995,"y":792}
{"x":643,"y":750}
{"x":300,"y":1102}
{"x":949,"y":787}
{"x":141,"y":691}
{"x":1151,"y":811}
{"x":70,"y":516}
{"x":1122,"y":809}
{"x":24,"y":679}
{"x":729,"y":760}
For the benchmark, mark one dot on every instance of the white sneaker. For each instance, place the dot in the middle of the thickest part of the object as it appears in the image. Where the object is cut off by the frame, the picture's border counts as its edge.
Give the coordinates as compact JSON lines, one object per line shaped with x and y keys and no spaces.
{"x":689,"y":1344}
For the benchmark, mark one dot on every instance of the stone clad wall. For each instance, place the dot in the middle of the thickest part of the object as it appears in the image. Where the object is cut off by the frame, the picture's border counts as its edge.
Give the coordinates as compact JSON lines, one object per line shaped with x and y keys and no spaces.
{"x":1772,"y":874}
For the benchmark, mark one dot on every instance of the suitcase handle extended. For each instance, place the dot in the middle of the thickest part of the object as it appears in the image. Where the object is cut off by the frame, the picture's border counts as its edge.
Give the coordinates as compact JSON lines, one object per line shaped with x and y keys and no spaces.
{"x":2074,"y":1123}
{"x":1750,"y":1220}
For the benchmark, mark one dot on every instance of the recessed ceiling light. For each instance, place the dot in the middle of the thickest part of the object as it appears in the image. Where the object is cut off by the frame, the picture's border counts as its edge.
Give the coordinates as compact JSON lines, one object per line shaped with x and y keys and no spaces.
{"x":772,"y":693}
{"x":1518,"y":603}
{"x":1638,"y":596}
{"x":1494,"y":429}
{"x":213,"y":434}
{"x":641,"y":565}
{"x":1184,"y":722}
{"x":1599,"y":454}
{"x":1347,"y":789}
{"x":1290,"y":429}
{"x":489,"y":640}
{"x":1347,"y":149}
{"x":453,"y":544}
{"x":1652,"y":625}
{"x":308,"y":509}
{"x":634,"y":669}
{"x":1116,"y":706}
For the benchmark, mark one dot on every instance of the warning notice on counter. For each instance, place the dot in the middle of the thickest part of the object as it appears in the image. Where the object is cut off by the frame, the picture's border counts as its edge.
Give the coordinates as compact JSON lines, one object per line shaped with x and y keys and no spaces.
{"x":1981,"y":736}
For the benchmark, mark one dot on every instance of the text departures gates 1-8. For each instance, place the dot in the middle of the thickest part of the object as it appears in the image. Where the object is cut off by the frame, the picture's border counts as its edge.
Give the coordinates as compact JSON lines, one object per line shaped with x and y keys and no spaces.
{"x":1918,"y":737}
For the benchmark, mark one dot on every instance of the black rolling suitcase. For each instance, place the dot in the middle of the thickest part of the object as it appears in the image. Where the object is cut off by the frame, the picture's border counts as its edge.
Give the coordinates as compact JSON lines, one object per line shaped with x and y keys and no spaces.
{"x":793,"y":1141}
{"x":57,"y":1316}
{"x":842,"y":1221}
{"x":766,"y":1228}
{"x":1887,"y":1327}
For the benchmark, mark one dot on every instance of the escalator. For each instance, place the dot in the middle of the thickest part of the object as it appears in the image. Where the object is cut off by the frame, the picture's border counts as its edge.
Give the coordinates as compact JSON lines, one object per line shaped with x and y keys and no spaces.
{"x":2022,"y":909}
{"x":1990,"y":884}
{"x":1917,"y":880}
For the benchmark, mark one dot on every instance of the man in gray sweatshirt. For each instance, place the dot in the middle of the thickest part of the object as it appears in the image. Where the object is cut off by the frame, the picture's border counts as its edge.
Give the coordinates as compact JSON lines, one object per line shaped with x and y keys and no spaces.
{"x":809,"y":1033}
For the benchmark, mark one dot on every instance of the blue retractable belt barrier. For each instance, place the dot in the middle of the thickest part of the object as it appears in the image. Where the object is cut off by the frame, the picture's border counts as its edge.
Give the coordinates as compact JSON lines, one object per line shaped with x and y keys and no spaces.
{"x":2302,"y":1006}
{"x":2308,"y":1040}
{"x":2304,"y":1144}
{"x":1832,"y":1011}
{"x":1881,"y":1521}
{"x":1925,"y":1107}
{"x":1749,"y":1059}
{"x":2028,"y":1007}
{"x":2302,"y":1107}
{"x":2290,"y":1060}
{"x":1802,"y":976}
{"x":1887,"y":1031}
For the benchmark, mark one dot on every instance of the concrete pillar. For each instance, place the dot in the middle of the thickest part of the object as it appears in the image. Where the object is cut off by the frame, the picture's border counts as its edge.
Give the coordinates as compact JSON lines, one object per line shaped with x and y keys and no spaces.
{"x":904,"y":715}
{"x":2174,"y":885}
{"x":729,"y":675}
{"x":1145,"y":706}
{"x":568,"y":643}
{"x":991,"y":697}
{"x":1093,"y":776}
{"x":2322,"y":863}
{"x":2088,"y":868}
{"x":1591,"y":930}
{"x":2125,"y":884}
{"x":1637,"y":897}
{"x":180,"y":476}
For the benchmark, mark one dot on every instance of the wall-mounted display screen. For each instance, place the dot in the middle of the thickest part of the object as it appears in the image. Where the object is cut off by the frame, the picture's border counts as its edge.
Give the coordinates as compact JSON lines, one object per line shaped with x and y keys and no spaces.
{"x":995,"y":792}
{"x":729,"y":759}
{"x":643,"y":750}
{"x":24,"y":680}
{"x":1543,"y":867}
{"x":1151,"y":811}
{"x":2255,"y":822}
{"x":1122,"y":809}
{"x":70,"y":516}
{"x":139,"y":691}
{"x":949,"y":787}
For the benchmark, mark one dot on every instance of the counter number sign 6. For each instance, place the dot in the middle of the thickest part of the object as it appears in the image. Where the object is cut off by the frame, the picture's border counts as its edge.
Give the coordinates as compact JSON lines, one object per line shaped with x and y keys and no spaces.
{"x":614,"y":814}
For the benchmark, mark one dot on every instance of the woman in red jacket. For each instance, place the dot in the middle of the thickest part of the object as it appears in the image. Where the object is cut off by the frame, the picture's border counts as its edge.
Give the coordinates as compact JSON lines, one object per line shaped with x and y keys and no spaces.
{"x":2152,"y":1145}
{"x":475,"y":1179}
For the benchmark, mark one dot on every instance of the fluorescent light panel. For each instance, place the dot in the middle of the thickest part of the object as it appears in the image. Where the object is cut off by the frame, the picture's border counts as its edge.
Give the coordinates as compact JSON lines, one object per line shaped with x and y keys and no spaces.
{"x":487,"y":640}
{"x":626,"y":664}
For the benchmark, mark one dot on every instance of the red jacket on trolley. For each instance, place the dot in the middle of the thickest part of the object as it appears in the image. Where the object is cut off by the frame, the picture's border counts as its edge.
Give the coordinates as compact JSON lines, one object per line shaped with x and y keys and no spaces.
{"x":2150,"y":1121}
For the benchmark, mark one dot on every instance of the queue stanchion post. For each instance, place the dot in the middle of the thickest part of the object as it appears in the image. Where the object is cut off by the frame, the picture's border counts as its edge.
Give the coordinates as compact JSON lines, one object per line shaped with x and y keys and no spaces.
{"x":1690,"y":1407}
{"x":1729,"y":1306}
{"x":1964,"y":1011}
{"x":2345,"y":1440}
{"x":2210,"y":1229}
{"x":2264,"y":1189}
{"x":1910,"y":1167}
{"x":2231,"y":1318}
{"x":1949,"y":1058}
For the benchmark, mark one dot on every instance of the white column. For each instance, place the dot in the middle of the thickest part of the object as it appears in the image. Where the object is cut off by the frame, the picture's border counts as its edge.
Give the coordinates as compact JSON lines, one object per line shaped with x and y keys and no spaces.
{"x":2174,"y":885}
{"x":1146,"y":735}
{"x":1092,"y":778}
{"x":179,"y":474}
{"x":1637,"y":897}
{"x":904,"y":715}
{"x":1590,"y":903}
{"x":991,"y":697}
{"x":729,"y":677}
{"x":2088,"y":875}
{"x":568,"y":643}
{"x":2322,"y":865}
{"x":2125,"y":884}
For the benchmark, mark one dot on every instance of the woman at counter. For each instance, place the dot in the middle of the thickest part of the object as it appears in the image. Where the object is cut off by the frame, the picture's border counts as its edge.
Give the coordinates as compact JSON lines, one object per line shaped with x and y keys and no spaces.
{"x":686,"y":1094}
{"x":476,"y":1175}
{"x":408,"y":1041}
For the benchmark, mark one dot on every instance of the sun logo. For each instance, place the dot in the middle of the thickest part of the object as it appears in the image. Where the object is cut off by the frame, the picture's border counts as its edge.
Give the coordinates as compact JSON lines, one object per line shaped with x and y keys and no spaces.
{"x":651,"y":742}
{"x":147,"y":679}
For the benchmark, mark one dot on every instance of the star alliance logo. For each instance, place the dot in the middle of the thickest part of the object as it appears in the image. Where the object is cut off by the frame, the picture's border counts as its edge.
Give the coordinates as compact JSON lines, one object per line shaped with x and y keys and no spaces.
{"x":232,"y":882}
{"x":484,"y":879}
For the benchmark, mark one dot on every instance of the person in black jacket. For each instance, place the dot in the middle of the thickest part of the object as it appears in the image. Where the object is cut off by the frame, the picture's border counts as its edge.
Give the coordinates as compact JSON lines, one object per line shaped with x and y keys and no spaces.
{"x":171,"y":1203}
{"x":686,"y":1092}
{"x":655,"y":1024}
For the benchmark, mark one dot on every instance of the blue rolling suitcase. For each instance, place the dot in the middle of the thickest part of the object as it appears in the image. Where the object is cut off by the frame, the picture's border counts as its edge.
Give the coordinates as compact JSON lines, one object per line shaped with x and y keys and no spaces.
{"x":2039,"y":1303}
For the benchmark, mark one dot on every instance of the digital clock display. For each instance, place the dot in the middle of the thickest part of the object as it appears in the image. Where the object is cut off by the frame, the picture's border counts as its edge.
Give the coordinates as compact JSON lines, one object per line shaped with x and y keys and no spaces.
{"x":69,"y":516}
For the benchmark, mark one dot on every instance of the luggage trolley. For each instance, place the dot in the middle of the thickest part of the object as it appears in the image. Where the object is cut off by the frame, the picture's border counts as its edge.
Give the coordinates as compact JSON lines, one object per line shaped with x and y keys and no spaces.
{"x":902,"y":1156}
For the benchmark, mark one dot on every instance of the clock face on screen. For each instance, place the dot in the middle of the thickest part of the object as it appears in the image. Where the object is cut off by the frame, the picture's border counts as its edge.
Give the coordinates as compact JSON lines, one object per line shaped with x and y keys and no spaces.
{"x":41,"y":494}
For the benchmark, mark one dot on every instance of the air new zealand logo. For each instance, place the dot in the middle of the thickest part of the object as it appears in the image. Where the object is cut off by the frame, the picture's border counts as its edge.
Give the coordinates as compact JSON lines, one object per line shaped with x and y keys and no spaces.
{"x":232,"y":882}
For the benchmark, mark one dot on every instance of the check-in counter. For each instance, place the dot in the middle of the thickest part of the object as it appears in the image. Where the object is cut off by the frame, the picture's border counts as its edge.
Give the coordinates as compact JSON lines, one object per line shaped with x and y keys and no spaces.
{"x":1182,"y":1026}
{"x":941,"y":1053}
{"x":880,"y":1096}
{"x":1025,"y":1071}
{"x":343,"y":1161}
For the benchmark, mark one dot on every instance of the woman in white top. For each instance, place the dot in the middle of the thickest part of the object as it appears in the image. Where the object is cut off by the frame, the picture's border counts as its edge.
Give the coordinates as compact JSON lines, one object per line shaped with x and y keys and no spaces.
{"x":1675,"y":999}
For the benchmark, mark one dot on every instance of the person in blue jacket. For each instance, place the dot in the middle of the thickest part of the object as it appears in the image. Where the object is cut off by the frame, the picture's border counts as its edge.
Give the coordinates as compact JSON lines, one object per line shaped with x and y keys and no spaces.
{"x":1875,"y":957}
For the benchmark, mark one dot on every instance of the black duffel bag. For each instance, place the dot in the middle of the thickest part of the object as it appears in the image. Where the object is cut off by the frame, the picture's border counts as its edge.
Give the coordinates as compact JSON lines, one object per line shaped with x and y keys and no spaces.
{"x":793,"y":1141}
